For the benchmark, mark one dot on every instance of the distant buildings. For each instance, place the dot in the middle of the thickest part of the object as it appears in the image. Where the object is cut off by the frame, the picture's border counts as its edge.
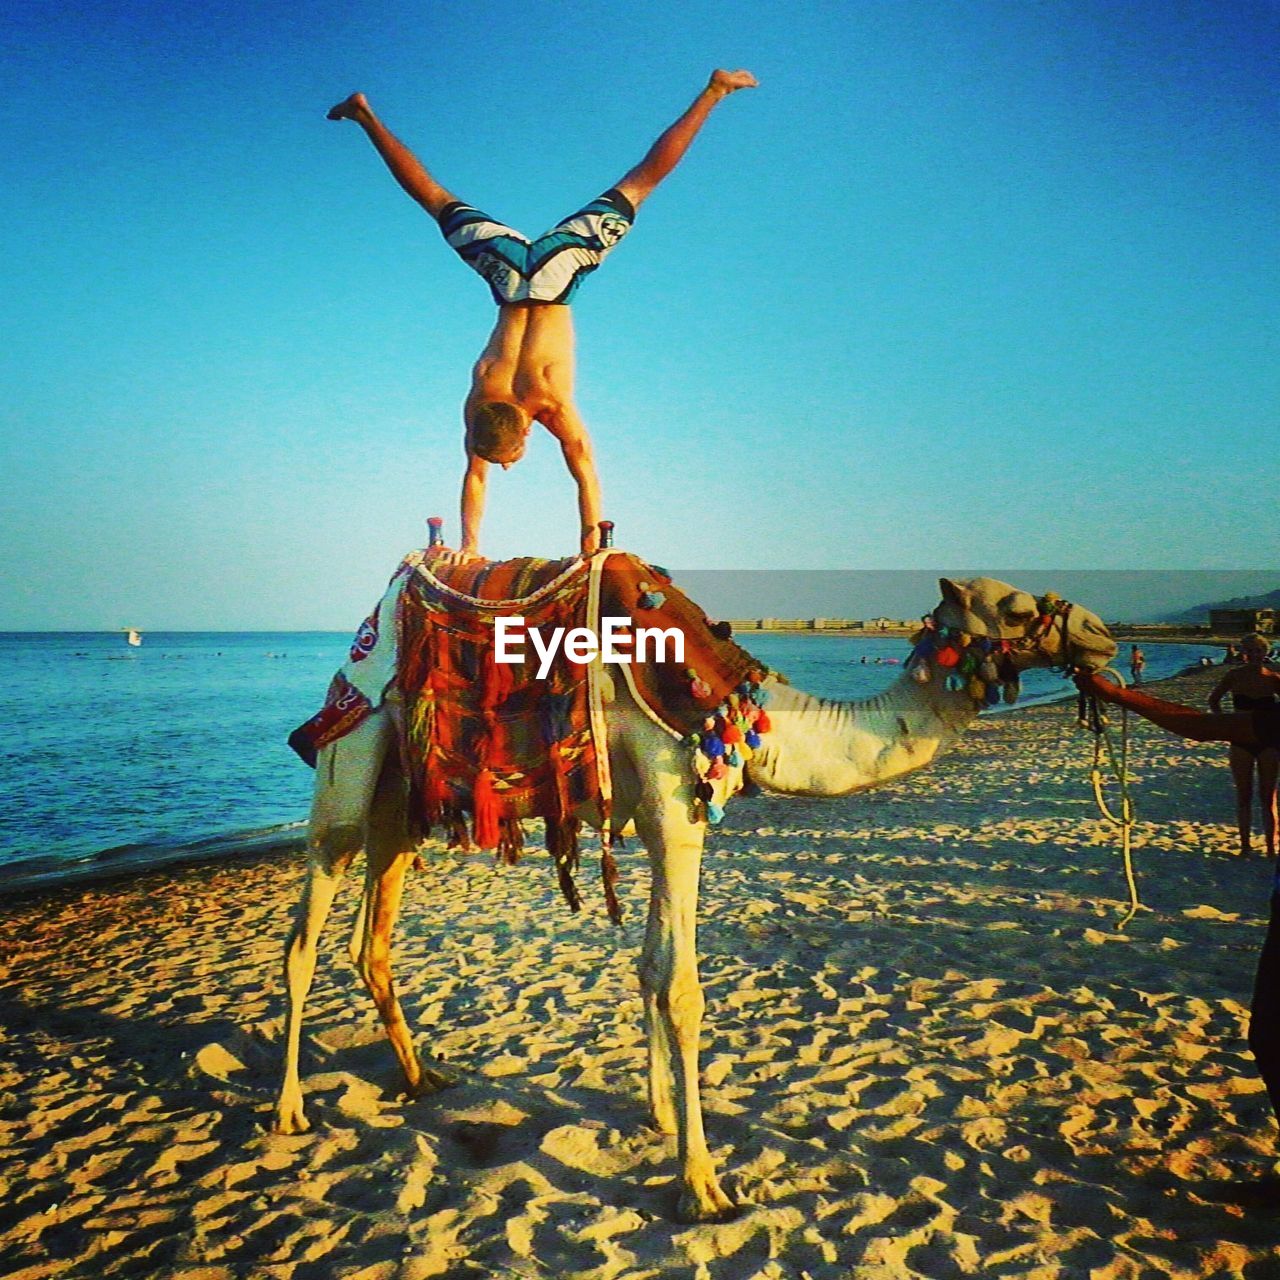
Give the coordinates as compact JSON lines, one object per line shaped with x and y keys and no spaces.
{"x":1239,"y":622}
{"x":816,"y":624}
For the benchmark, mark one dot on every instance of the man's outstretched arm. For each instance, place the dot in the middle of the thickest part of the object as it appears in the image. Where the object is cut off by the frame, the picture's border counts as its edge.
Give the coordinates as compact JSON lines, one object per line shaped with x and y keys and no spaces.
{"x":1187,"y":722}
{"x":473,"y":486}
{"x":575,"y":444}
{"x":667,"y":152}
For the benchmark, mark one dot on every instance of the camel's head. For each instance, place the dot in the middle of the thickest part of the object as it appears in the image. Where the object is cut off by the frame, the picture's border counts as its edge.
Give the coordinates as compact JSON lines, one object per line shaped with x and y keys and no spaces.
{"x":1044,"y":631}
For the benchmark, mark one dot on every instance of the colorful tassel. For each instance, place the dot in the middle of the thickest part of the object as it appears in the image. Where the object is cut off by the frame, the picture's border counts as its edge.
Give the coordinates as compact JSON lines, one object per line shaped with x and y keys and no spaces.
{"x":609,"y":877}
{"x":485,"y":825}
{"x":728,"y":739}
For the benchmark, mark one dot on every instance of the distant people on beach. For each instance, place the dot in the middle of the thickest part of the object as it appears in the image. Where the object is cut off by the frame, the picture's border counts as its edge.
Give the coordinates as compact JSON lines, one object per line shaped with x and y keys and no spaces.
{"x":1137,"y":663}
{"x":1252,"y":685}
{"x":525,"y":373}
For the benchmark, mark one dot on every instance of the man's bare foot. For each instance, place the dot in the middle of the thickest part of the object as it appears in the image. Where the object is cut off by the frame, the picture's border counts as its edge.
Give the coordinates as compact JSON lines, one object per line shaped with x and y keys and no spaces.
{"x":726,"y":82}
{"x":352,"y":108}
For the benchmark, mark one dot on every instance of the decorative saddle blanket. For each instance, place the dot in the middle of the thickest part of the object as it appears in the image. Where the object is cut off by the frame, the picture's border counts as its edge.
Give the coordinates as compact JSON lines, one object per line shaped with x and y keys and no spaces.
{"x":494,"y":739}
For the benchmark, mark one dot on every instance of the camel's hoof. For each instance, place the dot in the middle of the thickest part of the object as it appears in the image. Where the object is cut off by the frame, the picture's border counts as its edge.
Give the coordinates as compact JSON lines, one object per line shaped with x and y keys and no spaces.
{"x":664,"y":1123}
{"x":431,"y":1082}
{"x":703,"y":1201}
{"x":290,"y":1117}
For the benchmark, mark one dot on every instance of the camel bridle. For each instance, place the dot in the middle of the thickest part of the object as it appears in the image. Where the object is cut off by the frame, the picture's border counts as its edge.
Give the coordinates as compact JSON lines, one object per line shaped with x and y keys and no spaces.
{"x":1054,"y":616}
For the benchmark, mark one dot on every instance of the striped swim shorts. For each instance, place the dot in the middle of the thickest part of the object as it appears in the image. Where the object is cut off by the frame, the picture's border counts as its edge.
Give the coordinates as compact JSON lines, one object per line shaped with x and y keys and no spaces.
{"x":548,"y":269}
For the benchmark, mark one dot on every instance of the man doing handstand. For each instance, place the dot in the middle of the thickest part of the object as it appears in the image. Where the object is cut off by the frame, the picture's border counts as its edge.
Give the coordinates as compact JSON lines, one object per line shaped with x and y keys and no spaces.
{"x":525,"y":372}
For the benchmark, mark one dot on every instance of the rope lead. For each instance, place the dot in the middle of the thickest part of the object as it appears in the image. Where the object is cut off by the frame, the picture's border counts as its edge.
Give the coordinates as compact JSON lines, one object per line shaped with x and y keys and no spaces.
{"x":1101,"y":729}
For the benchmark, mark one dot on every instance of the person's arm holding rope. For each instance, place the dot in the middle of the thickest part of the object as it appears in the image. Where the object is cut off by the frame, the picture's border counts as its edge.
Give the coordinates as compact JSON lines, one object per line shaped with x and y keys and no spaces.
{"x":1239,"y":727}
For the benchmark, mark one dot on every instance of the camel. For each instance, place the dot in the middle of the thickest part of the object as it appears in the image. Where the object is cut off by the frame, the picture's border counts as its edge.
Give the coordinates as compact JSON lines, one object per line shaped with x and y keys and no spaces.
{"x":815,"y":747}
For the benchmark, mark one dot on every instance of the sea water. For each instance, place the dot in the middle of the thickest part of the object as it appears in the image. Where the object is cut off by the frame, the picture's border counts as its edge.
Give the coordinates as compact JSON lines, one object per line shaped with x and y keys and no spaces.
{"x":120,"y":757}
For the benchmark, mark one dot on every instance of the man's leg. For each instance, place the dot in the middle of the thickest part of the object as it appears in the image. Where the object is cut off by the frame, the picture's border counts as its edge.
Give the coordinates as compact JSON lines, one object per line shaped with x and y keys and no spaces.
{"x":665,"y":154}
{"x":405,"y":167}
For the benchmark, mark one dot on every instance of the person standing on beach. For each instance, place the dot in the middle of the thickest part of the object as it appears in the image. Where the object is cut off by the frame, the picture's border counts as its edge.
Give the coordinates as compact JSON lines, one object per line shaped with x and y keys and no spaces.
{"x":1255,"y":729}
{"x":525,"y":372}
{"x":1137,"y":663}
{"x":1250,"y":686}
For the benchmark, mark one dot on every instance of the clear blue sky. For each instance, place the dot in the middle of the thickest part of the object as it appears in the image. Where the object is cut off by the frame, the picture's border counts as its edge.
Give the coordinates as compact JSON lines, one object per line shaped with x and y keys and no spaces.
{"x":977,"y":284}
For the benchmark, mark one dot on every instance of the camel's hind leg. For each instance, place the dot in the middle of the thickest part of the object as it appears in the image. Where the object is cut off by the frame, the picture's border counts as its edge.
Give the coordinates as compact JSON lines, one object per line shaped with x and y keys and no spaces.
{"x":346,"y":774}
{"x":388,"y":859}
{"x":356,"y":941}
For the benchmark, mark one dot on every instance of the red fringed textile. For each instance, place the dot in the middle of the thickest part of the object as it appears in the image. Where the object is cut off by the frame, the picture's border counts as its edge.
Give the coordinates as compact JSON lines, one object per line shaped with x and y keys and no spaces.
{"x":344,"y":708}
{"x":609,"y":876}
{"x":485,"y":808}
{"x":489,"y":738}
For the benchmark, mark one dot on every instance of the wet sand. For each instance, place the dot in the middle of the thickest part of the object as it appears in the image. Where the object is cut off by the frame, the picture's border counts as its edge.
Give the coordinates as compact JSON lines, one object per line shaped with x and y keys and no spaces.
{"x":928,"y":1052}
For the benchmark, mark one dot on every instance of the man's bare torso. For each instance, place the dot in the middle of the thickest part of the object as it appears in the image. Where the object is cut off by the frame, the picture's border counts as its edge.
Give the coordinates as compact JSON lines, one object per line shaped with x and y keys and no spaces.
{"x":528,"y":360}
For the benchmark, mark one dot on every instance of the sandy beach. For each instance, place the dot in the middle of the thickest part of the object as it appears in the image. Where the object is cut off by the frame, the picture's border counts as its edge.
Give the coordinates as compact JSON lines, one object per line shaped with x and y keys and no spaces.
{"x":928,"y":1051}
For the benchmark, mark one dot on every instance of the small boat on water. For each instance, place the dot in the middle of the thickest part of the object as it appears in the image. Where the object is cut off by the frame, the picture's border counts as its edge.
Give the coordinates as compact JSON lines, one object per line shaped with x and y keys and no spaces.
{"x":135,"y":637}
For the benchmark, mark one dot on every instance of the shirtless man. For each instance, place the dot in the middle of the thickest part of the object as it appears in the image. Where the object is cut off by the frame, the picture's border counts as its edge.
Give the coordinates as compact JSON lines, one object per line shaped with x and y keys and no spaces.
{"x":525,"y":372}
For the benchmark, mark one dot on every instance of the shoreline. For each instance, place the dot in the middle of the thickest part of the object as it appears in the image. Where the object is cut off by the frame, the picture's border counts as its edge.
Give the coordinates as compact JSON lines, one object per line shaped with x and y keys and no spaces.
{"x":25,"y":877}
{"x":1122,"y":633}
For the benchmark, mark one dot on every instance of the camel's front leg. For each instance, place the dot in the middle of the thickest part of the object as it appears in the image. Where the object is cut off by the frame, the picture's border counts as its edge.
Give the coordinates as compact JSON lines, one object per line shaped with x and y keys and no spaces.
{"x":346,"y":774}
{"x":669,"y":978}
{"x":388,"y":860}
{"x":662,"y":1105}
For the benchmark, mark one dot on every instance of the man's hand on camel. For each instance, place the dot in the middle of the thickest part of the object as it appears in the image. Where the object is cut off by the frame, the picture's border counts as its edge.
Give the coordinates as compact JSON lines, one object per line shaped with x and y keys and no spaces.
{"x":461,"y":556}
{"x":727,"y":82}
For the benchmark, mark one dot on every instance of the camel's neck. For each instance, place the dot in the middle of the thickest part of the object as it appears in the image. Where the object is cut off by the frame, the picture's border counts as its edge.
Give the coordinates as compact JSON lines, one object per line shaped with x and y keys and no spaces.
{"x":822,"y":748}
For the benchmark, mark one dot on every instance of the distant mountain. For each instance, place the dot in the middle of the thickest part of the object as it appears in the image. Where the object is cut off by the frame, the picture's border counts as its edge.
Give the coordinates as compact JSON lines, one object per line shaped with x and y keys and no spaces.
{"x":1199,"y":613}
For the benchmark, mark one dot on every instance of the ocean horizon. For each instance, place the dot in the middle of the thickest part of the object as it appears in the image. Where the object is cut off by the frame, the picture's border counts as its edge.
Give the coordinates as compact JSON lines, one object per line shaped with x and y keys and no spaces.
{"x":127,"y":757}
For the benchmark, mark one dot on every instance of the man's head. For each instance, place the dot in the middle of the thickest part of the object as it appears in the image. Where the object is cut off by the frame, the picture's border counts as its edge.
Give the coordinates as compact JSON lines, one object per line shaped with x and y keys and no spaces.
{"x":496,"y":431}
